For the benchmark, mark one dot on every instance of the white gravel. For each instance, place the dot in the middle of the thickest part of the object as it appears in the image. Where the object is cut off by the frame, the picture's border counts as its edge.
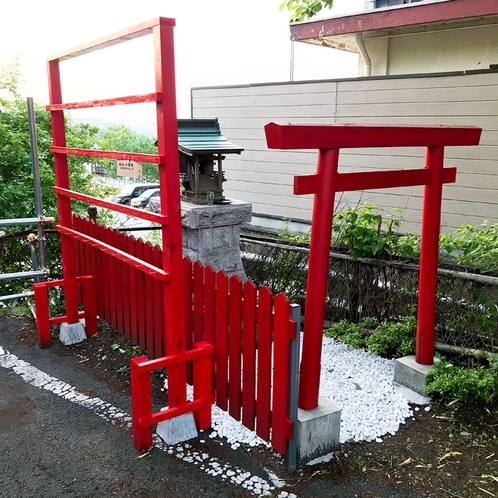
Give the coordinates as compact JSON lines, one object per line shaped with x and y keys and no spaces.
{"x":358,"y":382}
{"x":361,"y":384}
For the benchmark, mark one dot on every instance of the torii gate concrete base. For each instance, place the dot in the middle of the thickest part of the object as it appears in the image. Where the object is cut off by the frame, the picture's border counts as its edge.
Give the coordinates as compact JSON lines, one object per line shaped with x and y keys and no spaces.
{"x":411,"y":374}
{"x":317,"y":431}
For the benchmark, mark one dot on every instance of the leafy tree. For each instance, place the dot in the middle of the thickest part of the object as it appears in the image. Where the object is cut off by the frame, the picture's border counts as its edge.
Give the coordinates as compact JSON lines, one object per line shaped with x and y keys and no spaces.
{"x":120,"y":137}
{"x":16,"y":174}
{"x":301,"y":10}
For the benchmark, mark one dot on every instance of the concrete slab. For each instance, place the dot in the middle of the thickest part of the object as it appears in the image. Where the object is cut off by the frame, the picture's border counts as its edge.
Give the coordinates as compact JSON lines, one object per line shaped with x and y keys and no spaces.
{"x":411,"y":374}
{"x":178,"y":429}
{"x":411,"y":396}
{"x":72,"y":333}
{"x":317,"y":431}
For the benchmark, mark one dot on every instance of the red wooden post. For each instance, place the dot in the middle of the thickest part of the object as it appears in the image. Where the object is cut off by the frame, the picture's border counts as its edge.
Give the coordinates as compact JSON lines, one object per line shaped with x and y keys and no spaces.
{"x":141,"y":404}
{"x":202,"y":387}
{"x":263,"y":407}
{"x":123,"y":246}
{"x":140,"y":297}
{"x":90,"y":305}
{"x":188,"y":291}
{"x":281,"y":373}
{"x":198,"y":302}
{"x":209,"y":304}
{"x":318,"y":273}
{"x":249,"y":355}
{"x":210,"y":314}
{"x":158,"y":298}
{"x":42,"y":315}
{"x":169,"y":179}
{"x":222,"y":340}
{"x":120,"y":290}
{"x":64,"y":203}
{"x":133,"y":293}
{"x":429,"y":252}
{"x":149,"y":303}
{"x":235,"y":346}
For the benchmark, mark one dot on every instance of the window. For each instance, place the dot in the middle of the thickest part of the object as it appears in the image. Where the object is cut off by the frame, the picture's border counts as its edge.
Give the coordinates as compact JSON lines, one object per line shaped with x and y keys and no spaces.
{"x":391,"y":3}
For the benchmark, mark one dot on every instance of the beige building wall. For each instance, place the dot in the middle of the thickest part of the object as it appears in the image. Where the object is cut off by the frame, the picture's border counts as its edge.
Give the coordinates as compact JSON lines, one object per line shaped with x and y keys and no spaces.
{"x":265,"y":177}
{"x":461,"y":49}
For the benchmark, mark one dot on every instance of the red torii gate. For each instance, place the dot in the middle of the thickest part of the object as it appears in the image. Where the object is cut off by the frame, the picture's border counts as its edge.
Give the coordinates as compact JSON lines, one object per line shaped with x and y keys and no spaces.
{"x":328,"y":139}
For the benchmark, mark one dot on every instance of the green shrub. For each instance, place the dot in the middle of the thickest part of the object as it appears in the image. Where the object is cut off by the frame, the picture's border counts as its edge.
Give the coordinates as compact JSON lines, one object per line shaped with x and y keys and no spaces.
{"x":349,"y":333}
{"x":450,"y":382}
{"x":394,"y":340}
{"x":473,"y":246}
{"x":387,"y":339}
{"x":365,"y":233}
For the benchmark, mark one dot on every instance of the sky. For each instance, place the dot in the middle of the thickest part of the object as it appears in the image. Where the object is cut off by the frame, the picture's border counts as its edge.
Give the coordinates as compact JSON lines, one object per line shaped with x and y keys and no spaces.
{"x":217,"y":42}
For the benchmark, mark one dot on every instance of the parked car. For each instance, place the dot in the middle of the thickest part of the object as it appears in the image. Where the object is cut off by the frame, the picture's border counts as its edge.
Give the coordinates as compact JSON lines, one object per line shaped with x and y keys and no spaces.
{"x":133,"y":190}
{"x":143,"y":199}
{"x":155,"y":204}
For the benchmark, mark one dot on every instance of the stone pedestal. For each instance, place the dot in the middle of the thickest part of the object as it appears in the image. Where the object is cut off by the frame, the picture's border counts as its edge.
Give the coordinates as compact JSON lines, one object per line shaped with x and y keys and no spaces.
{"x":72,"y":333}
{"x":211,"y":234}
{"x":318,"y":431}
{"x":178,"y":429}
{"x":411,"y":374}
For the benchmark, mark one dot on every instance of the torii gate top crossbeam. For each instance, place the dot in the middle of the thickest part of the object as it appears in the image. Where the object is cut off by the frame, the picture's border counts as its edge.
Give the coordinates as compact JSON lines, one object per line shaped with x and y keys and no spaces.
{"x":355,"y":136}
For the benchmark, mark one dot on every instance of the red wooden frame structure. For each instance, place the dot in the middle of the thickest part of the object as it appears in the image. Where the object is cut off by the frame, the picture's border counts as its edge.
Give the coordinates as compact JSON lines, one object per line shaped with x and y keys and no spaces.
{"x":329,"y":139}
{"x":170,"y":274}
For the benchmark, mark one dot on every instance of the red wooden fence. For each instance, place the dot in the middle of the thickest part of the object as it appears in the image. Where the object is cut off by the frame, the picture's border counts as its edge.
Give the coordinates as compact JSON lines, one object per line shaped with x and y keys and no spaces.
{"x":249,"y":328}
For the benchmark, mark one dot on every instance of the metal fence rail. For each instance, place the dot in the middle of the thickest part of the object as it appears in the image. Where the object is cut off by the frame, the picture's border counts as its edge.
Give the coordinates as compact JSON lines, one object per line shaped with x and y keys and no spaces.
{"x":466,"y":306}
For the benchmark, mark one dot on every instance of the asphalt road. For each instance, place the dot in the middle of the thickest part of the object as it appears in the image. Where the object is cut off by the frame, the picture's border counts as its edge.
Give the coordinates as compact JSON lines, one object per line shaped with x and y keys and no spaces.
{"x":53,"y":447}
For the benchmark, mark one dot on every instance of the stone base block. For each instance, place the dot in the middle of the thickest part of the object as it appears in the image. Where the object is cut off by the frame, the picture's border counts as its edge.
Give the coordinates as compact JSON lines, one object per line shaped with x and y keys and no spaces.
{"x":72,"y":333}
{"x":317,"y":431}
{"x":178,"y":429}
{"x":411,"y":374}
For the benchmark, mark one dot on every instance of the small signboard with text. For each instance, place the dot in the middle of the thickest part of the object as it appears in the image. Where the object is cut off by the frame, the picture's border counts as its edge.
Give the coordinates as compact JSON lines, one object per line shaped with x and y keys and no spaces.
{"x":129,"y":168}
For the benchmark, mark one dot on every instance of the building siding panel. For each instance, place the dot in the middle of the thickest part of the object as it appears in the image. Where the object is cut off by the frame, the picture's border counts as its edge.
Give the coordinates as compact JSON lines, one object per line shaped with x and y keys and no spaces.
{"x":265,"y":177}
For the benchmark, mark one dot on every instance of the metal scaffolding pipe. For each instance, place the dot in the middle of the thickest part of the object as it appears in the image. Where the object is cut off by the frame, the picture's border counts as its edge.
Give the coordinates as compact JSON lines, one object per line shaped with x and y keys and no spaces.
{"x":27,"y":221}
{"x":12,"y":297}
{"x":22,"y":274}
{"x":36,"y":180}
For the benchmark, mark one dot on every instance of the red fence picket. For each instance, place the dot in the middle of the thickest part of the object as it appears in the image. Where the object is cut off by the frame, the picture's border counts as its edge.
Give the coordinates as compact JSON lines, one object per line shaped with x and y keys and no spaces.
{"x":263,"y":410}
{"x":249,"y":354}
{"x":235,"y":347}
{"x":221,"y":345}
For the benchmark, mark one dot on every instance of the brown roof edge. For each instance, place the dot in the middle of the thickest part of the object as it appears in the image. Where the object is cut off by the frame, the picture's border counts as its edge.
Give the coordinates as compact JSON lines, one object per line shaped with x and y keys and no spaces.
{"x":393,"y":18}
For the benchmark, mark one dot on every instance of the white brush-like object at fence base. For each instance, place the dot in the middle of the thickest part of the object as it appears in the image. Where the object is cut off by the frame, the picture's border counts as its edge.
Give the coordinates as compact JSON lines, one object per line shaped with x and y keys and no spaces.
{"x":178,"y":429}
{"x":72,"y":333}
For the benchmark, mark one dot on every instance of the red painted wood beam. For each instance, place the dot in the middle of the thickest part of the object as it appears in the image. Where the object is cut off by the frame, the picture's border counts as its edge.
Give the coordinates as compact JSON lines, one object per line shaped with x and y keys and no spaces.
{"x":130,"y":99}
{"x":122,"y":36}
{"x":176,"y":411}
{"x":201,"y":349}
{"x":415,"y":14}
{"x":367,"y":180}
{"x":108,"y":154}
{"x":117,"y":253}
{"x":350,"y":135}
{"x":120,"y":208}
